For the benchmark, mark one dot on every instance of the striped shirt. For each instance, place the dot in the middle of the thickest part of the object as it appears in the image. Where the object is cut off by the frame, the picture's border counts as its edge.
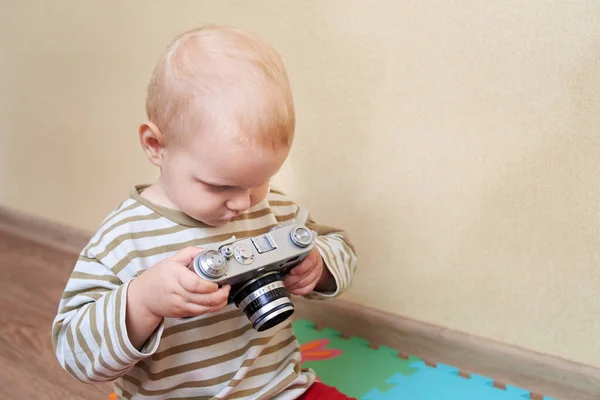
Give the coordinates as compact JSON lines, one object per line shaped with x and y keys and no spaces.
{"x":213,"y":356}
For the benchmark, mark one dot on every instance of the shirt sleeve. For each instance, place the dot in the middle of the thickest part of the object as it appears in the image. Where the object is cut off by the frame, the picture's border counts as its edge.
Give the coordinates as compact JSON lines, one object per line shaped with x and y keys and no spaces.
{"x":338,"y":252}
{"x":339,"y":257}
{"x":89,"y":333}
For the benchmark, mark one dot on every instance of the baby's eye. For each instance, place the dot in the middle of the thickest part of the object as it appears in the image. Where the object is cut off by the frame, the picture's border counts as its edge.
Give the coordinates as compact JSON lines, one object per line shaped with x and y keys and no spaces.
{"x":219,"y":188}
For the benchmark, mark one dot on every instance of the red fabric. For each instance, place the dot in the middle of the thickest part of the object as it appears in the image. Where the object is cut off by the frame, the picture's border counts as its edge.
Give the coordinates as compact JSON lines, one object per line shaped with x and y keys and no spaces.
{"x":320,"y":391}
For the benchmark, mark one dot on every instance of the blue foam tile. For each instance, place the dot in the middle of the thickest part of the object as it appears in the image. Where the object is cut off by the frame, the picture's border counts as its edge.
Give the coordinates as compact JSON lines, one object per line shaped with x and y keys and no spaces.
{"x":447,"y":368}
{"x":373,"y":394}
{"x":517,"y":391}
{"x":480,"y":380}
{"x":418,"y":364}
{"x":437,"y":384}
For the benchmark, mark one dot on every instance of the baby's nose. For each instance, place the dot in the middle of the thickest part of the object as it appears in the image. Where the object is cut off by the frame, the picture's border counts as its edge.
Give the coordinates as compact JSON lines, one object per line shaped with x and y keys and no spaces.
{"x":239,"y":203}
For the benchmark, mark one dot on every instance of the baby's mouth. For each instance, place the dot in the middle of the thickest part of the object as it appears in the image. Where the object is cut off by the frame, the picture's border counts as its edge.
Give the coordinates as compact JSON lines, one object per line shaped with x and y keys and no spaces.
{"x":235,"y":214}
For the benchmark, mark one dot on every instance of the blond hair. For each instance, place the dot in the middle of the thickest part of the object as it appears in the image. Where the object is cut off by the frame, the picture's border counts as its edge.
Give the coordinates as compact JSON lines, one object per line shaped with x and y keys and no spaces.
{"x":217,"y":77}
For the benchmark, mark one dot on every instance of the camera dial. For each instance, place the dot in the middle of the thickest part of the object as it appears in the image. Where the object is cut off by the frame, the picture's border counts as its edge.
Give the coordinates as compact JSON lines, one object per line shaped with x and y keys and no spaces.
{"x":243,"y":254}
{"x":211,"y":263}
{"x":301,"y":236}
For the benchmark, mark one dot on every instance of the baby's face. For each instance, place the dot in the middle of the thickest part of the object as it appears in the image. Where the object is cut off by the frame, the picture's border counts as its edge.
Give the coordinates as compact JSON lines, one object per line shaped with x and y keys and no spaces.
{"x":213,"y":180}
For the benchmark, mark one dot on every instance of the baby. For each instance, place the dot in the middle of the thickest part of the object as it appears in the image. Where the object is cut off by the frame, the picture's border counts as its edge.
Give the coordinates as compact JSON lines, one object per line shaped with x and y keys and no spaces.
{"x":220,"y":125}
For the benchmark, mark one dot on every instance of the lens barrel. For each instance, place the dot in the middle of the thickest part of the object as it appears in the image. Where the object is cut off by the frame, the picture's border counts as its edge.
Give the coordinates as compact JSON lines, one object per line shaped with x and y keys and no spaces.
{"x":265,"y":301}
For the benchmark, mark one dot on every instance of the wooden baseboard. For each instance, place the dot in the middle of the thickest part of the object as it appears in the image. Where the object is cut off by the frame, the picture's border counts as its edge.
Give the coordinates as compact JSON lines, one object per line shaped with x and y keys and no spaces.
{"x":542,"y":374}
{"x":51,"y":233}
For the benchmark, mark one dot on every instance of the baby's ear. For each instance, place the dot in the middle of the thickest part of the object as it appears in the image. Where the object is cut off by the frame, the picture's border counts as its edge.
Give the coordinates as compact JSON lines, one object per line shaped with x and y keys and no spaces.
{"x":152,"y":141}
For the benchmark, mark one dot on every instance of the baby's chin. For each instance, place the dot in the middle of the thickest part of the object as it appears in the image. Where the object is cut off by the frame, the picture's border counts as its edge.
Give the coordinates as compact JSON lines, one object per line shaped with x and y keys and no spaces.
{"x":217,"y":222}
{"x":206,"y":220}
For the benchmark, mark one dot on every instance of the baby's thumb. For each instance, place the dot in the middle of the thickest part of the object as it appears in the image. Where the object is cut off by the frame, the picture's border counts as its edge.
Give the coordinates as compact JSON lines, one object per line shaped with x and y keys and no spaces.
{"x":186,"y":256}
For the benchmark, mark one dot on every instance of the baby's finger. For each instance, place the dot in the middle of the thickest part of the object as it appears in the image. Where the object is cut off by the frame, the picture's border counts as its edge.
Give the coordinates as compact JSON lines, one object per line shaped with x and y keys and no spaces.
{"x":291,"y":280}
{"x":210,"y":300}
{"x":303,"y":287}
{"x":307,"y":280}
{"x":192,"y":309}
{"x":296,"y":275}
{"x":302,"y":291}
{"x":306,"y":265}
{"x":192,"y":283}
{"x":186,"y":255}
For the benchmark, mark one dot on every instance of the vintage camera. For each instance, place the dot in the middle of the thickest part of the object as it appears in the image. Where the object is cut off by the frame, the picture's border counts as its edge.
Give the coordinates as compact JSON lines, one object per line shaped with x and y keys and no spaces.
{"x":255,"y":267}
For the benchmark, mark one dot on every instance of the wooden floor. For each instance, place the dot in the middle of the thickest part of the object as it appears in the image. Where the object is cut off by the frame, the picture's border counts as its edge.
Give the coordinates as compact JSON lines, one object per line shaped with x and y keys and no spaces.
{"x":32,"y":278}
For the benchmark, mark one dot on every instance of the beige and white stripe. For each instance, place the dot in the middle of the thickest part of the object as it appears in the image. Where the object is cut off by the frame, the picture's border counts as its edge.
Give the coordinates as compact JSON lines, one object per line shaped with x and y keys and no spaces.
{"x":214,"y":356}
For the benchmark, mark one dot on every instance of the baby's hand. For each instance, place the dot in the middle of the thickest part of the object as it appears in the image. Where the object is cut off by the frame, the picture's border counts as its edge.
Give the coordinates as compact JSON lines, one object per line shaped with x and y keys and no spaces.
{"x":170,"y":289}
{"x":304,"y":277}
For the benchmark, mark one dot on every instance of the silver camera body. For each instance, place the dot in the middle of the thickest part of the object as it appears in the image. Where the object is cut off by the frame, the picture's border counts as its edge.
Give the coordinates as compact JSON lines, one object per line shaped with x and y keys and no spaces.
{"x":254,"y":268}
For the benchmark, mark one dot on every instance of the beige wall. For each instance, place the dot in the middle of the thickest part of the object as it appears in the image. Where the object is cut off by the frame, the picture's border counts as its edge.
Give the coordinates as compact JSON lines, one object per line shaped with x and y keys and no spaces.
{"x":457,"y":142}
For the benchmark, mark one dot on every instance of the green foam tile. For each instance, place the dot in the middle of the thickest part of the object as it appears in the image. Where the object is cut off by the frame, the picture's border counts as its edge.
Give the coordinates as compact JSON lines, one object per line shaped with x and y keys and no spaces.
{"x":357,"y":359}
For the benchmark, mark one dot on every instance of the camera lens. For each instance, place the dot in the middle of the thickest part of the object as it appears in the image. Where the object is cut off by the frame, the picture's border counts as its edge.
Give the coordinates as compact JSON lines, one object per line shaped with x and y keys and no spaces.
{"x":265,"y":301}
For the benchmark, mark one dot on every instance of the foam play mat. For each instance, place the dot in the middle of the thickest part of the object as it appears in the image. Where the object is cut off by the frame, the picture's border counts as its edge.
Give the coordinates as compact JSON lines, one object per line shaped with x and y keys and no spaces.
{"x":366,"y":373}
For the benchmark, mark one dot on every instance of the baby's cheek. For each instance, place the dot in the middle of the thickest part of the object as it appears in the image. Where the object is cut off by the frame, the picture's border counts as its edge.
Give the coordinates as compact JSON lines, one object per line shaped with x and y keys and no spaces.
{"x":258,"y":194}
{"x":203,"y":204}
